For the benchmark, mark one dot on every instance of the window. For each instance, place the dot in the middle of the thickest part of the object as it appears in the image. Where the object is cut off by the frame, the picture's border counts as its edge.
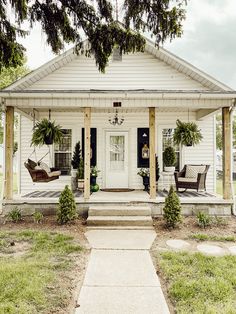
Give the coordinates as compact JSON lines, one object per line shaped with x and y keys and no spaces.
{"x":117,"y":152}
{"x":62,"y":153}
{"x":167,"y":140}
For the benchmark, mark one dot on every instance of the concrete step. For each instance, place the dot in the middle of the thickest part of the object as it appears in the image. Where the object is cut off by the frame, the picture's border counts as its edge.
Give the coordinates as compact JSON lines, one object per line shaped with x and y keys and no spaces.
{"x":119,"y":221}
{"x":120,"y":228}
{"x":119,"y":210}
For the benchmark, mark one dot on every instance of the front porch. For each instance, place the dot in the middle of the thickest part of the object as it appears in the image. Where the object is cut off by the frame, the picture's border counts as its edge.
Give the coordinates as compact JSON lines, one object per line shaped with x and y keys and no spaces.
{"x":191,"y":201}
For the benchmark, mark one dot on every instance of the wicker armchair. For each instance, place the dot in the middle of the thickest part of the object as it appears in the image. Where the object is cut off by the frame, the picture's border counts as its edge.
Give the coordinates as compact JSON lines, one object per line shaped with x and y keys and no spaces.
{"x":196,"y":181}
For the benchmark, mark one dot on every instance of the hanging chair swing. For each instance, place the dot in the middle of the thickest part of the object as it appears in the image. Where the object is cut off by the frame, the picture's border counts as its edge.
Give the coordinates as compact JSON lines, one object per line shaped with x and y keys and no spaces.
{"x":39,"y":170}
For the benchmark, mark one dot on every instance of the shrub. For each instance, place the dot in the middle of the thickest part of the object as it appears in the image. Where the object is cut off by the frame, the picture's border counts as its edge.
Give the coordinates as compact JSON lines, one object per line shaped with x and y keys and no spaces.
{"x":67,"y":208}
{"x":38,"y":217}
{"x":15,"y":215}
{"x":76,"y":156}
{"x":203,"y":220}
{"x":169,"y":157}
{"x":172,"y":209}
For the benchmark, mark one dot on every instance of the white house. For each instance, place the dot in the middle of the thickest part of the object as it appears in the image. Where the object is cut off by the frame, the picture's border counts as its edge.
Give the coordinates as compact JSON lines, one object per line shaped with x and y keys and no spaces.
{"x":148,"y":90}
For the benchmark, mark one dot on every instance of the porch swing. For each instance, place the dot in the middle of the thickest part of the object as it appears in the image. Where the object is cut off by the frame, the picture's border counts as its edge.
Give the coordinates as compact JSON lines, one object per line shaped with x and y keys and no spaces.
{"x":38,"y":170}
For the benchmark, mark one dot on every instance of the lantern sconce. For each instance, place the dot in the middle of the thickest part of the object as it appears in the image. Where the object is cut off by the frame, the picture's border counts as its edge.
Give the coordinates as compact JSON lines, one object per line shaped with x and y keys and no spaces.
{"x":145,"y":151}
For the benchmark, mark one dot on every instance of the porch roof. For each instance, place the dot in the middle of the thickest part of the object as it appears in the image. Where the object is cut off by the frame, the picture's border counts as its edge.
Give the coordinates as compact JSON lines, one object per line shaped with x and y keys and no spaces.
{"x":136,"y":93}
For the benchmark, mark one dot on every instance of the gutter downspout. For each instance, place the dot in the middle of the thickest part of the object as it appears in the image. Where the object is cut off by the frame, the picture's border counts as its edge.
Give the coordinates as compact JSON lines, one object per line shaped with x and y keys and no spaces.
{"x":231,"y":181}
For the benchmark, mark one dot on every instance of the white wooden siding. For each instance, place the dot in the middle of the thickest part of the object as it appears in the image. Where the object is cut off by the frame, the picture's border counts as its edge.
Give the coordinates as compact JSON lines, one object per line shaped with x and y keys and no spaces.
{"x":203,"y":153}
{"x":135,"y":71}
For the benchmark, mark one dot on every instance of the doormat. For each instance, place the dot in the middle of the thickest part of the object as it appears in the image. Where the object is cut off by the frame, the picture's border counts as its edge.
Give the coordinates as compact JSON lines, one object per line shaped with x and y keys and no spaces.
{"x":117,"y":190}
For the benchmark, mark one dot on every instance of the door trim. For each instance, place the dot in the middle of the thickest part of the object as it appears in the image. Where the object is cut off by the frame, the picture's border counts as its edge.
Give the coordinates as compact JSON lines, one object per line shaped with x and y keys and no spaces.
{"x":125,"y":133}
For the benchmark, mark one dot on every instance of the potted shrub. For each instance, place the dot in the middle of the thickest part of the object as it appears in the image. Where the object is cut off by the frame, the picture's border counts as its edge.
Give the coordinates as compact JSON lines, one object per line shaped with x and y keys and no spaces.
{"x":46,"y":132}
{"x":144,"y":173}
{"x":187,"y":134}
{"x":93,"y":175}
{"x":80,"y":174}
{"x":169,"y":159}
{"x":75,"y":165}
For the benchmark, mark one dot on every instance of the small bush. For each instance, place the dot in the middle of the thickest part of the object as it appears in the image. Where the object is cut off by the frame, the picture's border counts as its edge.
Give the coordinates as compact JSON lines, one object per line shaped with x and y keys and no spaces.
{"x":67,"y":208}
{"x":203,"y":220}
{"x":38,"y":217}
{"x":15,"y":215}
{"x":172,"y":209}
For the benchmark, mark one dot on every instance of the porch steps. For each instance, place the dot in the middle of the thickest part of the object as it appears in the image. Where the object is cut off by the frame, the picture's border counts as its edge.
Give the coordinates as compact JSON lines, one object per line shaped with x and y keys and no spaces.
{"x":119,"y":210}
{"x":119,"y":215}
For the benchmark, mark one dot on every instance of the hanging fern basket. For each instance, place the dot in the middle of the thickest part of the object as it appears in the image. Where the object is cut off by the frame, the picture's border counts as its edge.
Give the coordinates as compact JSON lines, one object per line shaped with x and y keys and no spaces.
{"x":187,"y":134}
{"x":46,"y":132}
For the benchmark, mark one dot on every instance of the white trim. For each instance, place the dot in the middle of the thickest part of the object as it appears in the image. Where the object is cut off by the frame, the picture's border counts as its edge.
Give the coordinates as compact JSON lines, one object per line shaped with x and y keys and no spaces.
{"x":126,"y":135}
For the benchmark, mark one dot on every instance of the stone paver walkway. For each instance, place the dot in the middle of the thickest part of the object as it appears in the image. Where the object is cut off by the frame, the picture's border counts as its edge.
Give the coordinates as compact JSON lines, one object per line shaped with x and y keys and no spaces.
{"x":121,"y":278}
{"x":207,"y":247}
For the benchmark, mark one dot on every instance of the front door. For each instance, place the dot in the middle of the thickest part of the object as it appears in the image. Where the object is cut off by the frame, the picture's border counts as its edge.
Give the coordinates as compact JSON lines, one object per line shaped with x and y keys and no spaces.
{"x":117,"y":160}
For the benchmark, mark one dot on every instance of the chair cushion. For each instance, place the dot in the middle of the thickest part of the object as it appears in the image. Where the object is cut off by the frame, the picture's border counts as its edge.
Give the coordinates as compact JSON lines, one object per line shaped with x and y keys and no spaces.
{"x":192,"y":171}
{"x":32,"y":163}
{"x":44,"y":166}
{"x":181,"y":179}
{"x":38,"y":168}
{"x":54,"y":173}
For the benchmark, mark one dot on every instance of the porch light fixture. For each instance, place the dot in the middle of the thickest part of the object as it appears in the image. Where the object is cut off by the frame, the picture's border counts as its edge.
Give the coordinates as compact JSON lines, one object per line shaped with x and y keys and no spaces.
{"x":116,"y":120}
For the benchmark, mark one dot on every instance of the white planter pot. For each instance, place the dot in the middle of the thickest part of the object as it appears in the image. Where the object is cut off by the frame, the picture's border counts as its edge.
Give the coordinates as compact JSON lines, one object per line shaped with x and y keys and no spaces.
{"x":80,"y":184}
{"x":73,"y":173}
{"x":169,"y":169}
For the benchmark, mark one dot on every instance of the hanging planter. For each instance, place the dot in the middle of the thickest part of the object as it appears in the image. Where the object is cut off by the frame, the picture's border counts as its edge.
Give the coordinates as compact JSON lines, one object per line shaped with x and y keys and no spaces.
{"x":187,"y":134}
{"x":46,"y":132}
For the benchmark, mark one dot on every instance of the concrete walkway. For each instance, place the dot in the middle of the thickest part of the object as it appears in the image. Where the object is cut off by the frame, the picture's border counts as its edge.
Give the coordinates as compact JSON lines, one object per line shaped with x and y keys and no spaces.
{"x":121,"y":278}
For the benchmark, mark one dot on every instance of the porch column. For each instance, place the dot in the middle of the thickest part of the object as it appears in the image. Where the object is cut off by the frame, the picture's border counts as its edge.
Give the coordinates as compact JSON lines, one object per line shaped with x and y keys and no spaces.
{"x":8,"y":148}
{"x":227,"y":153}
{"x":152,"y":159}
{"x":87,"y":124}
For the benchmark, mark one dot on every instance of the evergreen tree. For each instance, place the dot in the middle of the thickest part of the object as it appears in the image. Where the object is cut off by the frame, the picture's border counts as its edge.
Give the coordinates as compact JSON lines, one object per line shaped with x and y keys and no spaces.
{"x":67,"y":21}
{"x":67,"y":207}
{"x":172,"y":209}
{"x":76,"y":156}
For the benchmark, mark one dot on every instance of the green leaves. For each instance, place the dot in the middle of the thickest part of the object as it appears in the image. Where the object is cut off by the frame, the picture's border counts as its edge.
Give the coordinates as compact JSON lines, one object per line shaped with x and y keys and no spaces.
{"x":169,"y":157}
{"x":46,"y":129}
{"x":67,"y":208}
{"x":172,"y":209}
{"x":67,"y":21}
{"x":187,"y":134}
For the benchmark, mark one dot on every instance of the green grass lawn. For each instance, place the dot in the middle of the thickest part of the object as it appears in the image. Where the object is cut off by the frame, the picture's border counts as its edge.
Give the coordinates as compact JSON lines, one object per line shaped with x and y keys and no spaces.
{"x":34,"y":272}
{"x":199,"y":284}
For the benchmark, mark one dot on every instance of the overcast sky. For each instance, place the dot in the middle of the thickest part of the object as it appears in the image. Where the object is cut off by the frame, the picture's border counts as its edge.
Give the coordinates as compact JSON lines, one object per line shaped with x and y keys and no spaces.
{"x":209,"y":40}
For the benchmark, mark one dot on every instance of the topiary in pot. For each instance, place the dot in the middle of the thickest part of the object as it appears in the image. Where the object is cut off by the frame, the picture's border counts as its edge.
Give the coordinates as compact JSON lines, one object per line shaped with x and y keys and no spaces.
{"x":46,"y":132}
{"x":172,"y":209}
{"x":67,"y":207}
{"x":169,"y":159}
{"x":187,"y":134}
{"x":76,"y":156}
{"x":80,"y":174}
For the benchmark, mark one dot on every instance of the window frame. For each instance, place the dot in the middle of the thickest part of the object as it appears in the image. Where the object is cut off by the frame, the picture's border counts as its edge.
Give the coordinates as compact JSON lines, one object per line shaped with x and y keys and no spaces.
{"x":64,"y":152}
{"x":160,"y":146}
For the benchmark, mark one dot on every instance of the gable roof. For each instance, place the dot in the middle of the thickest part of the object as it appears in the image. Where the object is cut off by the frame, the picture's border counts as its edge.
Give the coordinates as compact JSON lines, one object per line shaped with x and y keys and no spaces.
{"x":162,"y":54}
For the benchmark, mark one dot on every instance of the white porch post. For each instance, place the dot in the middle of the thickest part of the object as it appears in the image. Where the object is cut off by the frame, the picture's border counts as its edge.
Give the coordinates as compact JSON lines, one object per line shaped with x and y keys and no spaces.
{"x":87,"y":125}
{"x":227,"y":151}
{"x":8,"y":151}
{"x":152,"y":159}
